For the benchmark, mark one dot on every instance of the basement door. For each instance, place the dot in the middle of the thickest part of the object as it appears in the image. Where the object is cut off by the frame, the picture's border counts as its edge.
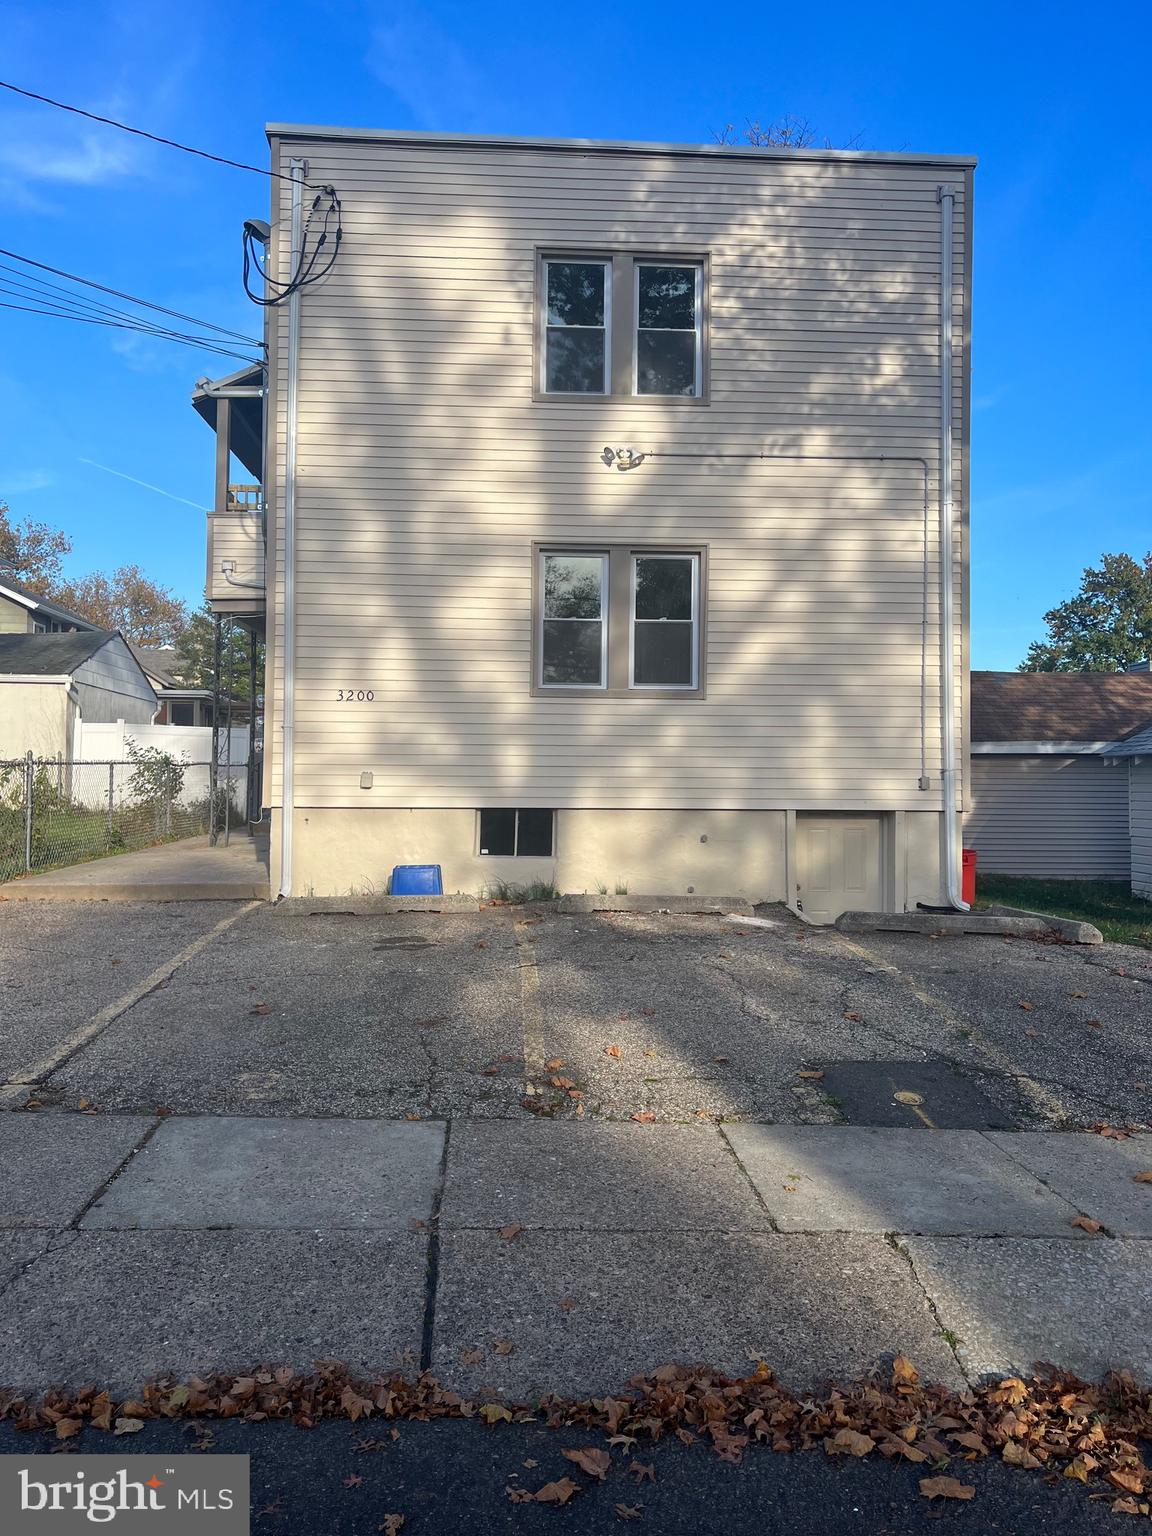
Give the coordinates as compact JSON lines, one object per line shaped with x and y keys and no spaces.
{"x":838,"y":866}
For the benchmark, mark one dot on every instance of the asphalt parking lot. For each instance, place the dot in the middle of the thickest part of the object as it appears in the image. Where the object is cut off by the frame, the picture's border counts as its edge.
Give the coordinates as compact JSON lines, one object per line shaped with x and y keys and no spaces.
{"x":514,"y":1011}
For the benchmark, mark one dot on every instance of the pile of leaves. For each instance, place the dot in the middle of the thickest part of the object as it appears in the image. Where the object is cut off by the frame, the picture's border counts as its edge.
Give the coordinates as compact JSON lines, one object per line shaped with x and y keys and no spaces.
{"x":1052,"y":1423}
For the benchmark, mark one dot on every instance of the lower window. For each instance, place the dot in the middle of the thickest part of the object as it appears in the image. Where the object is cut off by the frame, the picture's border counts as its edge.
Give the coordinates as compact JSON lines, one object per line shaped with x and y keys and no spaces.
{"x":527,"y":834}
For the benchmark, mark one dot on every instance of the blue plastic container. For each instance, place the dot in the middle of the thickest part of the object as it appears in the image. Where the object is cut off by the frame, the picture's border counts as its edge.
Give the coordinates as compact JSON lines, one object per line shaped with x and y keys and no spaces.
{"x":416,"y":880}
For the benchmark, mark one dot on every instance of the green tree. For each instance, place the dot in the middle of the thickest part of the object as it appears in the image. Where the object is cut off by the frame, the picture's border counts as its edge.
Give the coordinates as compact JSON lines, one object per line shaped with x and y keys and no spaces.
{"x":195,"y":652}
{"x":1105,"y":627}
{"x":141,"y":609}
{"x":32,"y":552}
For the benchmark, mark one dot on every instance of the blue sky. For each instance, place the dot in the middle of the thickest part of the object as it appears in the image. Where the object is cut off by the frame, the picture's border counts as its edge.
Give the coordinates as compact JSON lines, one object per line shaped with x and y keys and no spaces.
{"x":1051,"y":97}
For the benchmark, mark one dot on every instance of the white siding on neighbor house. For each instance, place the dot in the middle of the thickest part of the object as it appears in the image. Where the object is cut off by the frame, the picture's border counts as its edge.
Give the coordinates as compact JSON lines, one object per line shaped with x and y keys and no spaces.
{"x":112,"y":686}
{"x":1141,"y":824}
{"x":1050,"y":817}
{"x":426,"y":470}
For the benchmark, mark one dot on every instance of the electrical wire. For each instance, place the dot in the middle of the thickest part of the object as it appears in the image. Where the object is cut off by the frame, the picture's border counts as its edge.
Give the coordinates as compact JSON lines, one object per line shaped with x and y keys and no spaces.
{"x":143,"y":133}
{"x":79,"y":308}
{"x":305,"y":274}
{"x":131,"y":298}
{"x":187,"y":341}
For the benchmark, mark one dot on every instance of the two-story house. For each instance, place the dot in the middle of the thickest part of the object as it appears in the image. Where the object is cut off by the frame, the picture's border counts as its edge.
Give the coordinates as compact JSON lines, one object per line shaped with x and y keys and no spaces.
{"x":615,"y":516}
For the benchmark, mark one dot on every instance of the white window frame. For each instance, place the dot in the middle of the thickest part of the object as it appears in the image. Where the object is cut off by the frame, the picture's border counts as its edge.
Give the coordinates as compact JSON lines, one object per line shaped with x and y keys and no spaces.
{"x":659,"y":554}
{"x":697,"y":310}
{"x":559,"y":553}
{"x":605,"y":265}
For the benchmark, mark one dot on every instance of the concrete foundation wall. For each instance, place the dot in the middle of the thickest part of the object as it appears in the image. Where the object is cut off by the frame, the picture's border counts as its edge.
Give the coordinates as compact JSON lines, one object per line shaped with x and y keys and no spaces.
{"x":706,"y":853}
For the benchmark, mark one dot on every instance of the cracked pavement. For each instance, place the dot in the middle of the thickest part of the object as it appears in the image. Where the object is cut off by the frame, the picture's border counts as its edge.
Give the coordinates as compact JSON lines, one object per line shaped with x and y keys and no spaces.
{"x":312,"y":1135}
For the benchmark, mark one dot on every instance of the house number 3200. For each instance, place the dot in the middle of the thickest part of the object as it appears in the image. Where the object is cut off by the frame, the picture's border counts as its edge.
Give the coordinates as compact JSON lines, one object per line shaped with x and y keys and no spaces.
{"x":355,"y":695}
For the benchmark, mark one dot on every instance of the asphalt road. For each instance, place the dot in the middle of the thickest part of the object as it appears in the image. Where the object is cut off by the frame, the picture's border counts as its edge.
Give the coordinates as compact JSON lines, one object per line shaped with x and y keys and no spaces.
{"x":451,"y":1477}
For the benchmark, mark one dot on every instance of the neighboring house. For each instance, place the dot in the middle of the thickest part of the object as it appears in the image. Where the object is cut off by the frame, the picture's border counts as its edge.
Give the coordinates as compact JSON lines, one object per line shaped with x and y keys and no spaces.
{"x":51,"y":684}
{"x":1056,"y":774}
{"x":1136,"y":753}
{"x":604,"y":540}
{"x":179,"y":705}
{"x":24,"y":612}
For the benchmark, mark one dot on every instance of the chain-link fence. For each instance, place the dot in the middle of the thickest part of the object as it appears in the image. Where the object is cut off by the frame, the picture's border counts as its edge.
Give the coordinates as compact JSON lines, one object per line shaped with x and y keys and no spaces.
{"x":54,"y":811}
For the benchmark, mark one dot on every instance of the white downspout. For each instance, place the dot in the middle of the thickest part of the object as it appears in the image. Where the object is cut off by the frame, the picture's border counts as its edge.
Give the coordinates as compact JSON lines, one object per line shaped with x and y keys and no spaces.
{"x":950,"y":824}
{"x":297,"y":169}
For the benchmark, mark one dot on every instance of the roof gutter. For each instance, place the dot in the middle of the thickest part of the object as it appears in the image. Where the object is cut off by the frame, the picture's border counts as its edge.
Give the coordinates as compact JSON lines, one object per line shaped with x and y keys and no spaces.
{"x":949,"y":774}
{"x":297,"y":170}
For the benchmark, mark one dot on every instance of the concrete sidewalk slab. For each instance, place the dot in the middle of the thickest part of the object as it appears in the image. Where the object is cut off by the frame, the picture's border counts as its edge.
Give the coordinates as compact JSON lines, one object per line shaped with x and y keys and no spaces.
{"x":54,"y":1164}
{"x":1095,"y":1173}
{"x":18,"y":1248}
{"x":1013,"y":1304}
{"x":244,"y":1172}
{"x":584,"y":1311}
{"x":119,"y":1307}
{"x":564,"y":1177}
{"x":820,"y":1178}
{"x":187,"y":870}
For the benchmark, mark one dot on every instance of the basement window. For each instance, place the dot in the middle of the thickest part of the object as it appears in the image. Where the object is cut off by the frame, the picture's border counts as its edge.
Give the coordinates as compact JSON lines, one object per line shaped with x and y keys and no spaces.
{"x":518,"y":834}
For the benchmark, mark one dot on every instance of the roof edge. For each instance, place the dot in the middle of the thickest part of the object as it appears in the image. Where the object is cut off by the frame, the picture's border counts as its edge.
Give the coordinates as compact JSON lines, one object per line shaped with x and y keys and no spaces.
{"x":423,"y":138}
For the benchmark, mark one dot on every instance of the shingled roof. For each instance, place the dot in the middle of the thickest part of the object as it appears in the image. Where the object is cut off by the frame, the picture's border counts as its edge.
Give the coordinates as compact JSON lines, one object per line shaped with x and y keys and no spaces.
{"x":49,"y":655}
{"x":1060,"y":706}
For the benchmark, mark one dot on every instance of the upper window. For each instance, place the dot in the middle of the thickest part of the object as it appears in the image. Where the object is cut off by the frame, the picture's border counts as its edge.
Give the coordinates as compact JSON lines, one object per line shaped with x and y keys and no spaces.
{"x":667,"y":329}
{"x":619,"y":620}
{"x":576,"y":350}
{"x":621,"y":325}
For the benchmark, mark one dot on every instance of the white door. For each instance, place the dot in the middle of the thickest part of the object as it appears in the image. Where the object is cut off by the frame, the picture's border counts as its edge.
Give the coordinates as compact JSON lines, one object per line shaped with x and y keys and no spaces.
{"x":837,"y":866}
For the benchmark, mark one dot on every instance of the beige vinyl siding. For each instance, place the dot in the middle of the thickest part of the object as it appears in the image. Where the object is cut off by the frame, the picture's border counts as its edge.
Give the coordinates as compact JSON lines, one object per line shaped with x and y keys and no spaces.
{"x":1049,"y":816}
{"x":1140,"y":791}
{"x":426,"y":471}
{"x":236,"y":535}
{"x":15,"y":619}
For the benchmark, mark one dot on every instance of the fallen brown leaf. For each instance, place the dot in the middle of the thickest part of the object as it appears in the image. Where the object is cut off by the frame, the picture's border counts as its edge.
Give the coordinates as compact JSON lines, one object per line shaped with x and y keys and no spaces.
{"x":645,"y":1116}
{"x":128,"y":1426}
{"x":1143,"y":1178}
{"x":519,"y":1495}
{"x":614,"y":1051}
{"x":1130,"y":1480}
{"x":471,"y":1356}
{"x":567,"y":1303}
{"x":628,"y":1511}
{"x":66,"y":1428}
{"x":945,"y":1488}
{"x":851,"y":1015}
{"x":1027,"y":1007}
{"x":849,"y":1442}
{"x":1093,"y":1023}
{"x":811,"y":1076}
{"x":511,"y":1232}
{"x":260,"y":1008}
{"x":562,"y":1082}
{"x":558,"y":1492}
{"x":591,"y":1460}
{"x":642,"y":1471}
{"x":904,"y":1373}
{"x":504,"y":1346}
{"x":555,"y":1064}
{"x":392,"y":1525}
{"x":1086,"y":1223}
{"x":353,"y":1480}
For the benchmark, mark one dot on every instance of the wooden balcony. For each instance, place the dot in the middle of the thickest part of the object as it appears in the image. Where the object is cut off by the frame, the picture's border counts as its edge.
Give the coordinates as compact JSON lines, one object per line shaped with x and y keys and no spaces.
{"x":236,"y":553}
